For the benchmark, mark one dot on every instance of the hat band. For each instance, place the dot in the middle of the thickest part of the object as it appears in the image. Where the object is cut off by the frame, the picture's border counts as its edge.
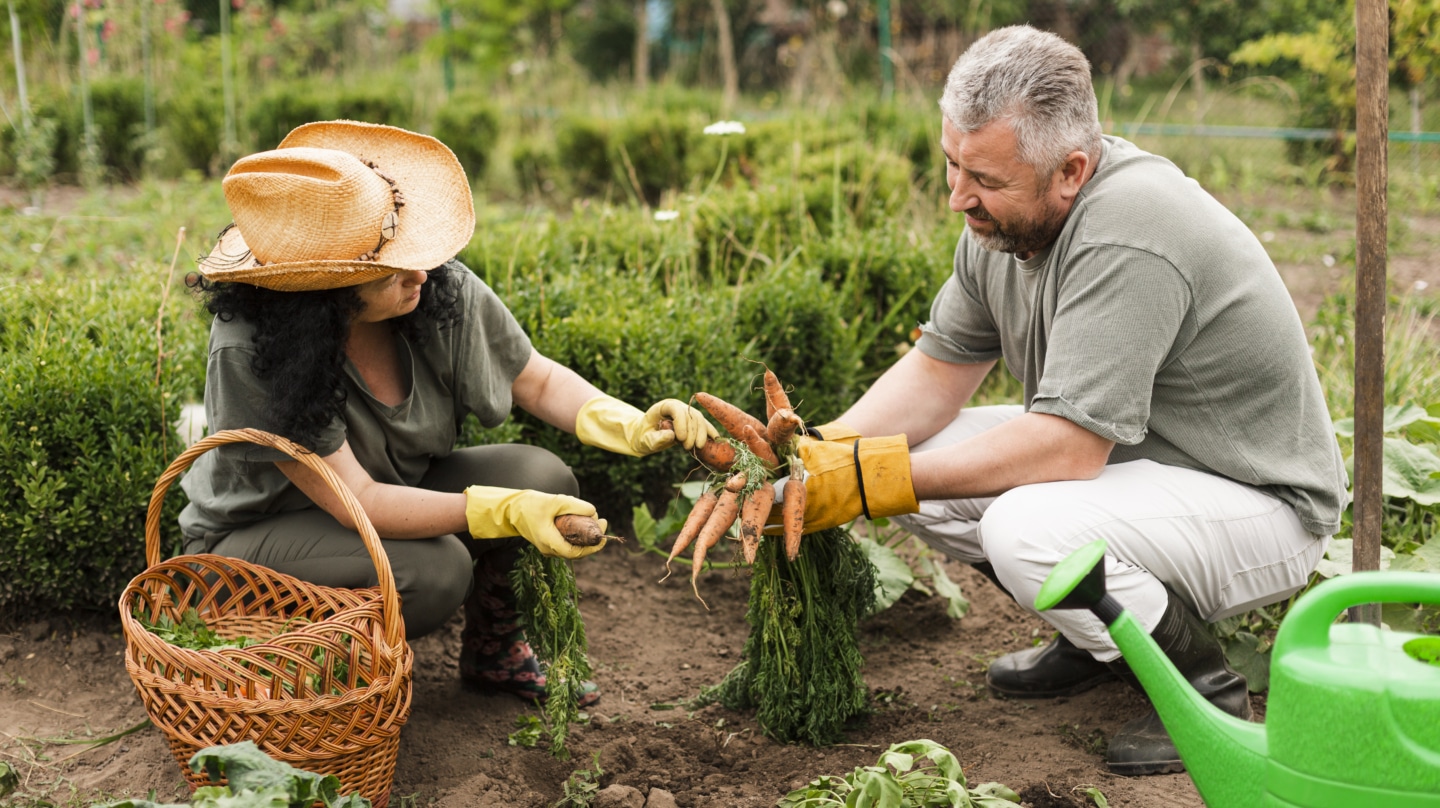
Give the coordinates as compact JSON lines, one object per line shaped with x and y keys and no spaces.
{"x":390,"y":222}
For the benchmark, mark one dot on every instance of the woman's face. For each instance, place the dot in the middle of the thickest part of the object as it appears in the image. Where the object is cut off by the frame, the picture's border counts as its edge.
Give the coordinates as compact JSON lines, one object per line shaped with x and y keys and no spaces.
{"x":389,"y":297}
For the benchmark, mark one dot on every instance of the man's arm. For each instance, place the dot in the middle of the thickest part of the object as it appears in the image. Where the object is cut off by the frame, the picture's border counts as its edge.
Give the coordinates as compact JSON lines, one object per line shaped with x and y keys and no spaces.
{"x":919,"y":395}
{"x":1033,"y":448}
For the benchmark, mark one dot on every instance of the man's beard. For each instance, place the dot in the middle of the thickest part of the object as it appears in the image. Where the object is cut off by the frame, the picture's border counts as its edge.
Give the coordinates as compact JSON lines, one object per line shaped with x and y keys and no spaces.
{"x":1028,"y":235}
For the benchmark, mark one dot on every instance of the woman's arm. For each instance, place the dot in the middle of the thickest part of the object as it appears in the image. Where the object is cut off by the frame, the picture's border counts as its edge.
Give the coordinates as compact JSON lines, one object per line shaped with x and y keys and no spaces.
{"x":551,"y":392}
{"x":396,"y":511}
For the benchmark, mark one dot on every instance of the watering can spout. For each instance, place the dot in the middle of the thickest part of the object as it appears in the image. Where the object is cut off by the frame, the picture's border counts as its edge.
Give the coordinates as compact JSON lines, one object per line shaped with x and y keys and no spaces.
{"x":1226,"y":756}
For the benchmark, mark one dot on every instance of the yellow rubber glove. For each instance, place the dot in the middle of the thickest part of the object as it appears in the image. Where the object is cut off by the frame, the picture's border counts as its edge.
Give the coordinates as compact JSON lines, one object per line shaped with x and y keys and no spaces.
{"x":497,"y":513}
{"x":833,"y":431}
{"x":610,"y":424}
{"x":835,"y":493}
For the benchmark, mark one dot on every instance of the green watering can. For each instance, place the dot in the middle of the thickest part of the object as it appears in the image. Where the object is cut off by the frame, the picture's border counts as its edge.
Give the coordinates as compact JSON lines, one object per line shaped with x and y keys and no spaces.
{"x":1353,"y":717}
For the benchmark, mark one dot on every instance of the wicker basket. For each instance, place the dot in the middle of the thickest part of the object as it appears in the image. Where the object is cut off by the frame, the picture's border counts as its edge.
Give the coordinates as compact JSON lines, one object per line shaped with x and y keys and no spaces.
{"x":327,"y":689}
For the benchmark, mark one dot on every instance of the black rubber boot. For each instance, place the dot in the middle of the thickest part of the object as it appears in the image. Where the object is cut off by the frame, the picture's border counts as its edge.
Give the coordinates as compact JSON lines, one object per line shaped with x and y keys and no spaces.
{"x":1143,"y":746}
{"x":1056,"y":669}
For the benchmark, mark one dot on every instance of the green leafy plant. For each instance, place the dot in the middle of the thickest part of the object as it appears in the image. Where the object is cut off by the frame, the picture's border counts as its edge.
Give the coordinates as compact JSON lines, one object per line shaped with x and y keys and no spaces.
{"x":548,"y":598}
{"x":528,"y":731}
{"x":582,"y":786}
{"x":912,"y":774}
{"x":255,"y":780}
{"x":801,"y":667}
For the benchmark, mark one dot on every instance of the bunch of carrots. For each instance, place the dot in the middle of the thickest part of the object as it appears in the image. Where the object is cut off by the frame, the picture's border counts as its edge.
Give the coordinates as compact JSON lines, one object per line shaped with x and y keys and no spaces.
{"x":745,"y":467}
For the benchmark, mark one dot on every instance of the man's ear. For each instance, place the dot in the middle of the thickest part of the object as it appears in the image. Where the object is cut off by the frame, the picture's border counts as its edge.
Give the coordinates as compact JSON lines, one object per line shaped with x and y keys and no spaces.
{"x":1072,"y":174}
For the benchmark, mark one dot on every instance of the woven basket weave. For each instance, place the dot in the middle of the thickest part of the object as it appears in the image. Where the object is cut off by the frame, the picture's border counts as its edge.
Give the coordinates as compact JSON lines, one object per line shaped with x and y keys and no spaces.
{"x":328,"y":687}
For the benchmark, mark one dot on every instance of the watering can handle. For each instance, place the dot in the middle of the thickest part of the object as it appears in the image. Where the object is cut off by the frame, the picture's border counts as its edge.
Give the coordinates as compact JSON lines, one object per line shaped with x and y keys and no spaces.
{"x":1309,"y":620}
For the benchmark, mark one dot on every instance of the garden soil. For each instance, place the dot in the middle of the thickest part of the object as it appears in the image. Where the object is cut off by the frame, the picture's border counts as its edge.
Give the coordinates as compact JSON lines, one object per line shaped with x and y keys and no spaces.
{"x":653,"y":646}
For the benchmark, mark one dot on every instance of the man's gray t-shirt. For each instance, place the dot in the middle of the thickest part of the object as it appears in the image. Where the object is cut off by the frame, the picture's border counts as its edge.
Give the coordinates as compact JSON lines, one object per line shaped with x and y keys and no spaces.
{"x":1156,"y":320}
{"x":464,"y":368}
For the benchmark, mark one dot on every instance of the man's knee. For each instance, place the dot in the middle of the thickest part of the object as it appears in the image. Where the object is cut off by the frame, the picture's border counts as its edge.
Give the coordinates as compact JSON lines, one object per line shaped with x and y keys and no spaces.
{"x":1022,"y":537}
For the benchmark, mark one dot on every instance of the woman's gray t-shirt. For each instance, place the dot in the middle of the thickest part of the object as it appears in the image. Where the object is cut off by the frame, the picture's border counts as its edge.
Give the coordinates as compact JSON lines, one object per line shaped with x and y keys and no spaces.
{"x":465,"y":368}
{"x":1156,"y":320}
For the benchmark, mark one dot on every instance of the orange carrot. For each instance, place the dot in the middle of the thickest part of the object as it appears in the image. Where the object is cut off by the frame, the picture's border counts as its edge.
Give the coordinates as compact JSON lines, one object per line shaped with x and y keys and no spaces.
{"x":717,"y":455}
{"x":720,"y":521}
{"x":752,"y":519}
{"x":782,"y":426}
{"x":793,"y":515}
{"x":755,"y":441}
{"x":731,"y":417}
{"x":775,"y":398}
{"x":581,"y":531}
{"x":691,"y":528}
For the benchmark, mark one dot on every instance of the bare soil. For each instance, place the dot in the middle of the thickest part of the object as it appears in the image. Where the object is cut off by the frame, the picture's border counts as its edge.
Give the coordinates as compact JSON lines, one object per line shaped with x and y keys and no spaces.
{"x":653,"y":645}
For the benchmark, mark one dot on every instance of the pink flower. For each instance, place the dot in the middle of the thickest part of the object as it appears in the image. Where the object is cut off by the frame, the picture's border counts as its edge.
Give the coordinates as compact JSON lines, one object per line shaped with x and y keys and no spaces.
{"x":107,"y":30}
{"x":92,"y":56}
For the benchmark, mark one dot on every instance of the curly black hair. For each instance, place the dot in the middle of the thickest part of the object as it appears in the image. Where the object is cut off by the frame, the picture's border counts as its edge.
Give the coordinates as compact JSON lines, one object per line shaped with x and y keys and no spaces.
{"x":300,"y":341}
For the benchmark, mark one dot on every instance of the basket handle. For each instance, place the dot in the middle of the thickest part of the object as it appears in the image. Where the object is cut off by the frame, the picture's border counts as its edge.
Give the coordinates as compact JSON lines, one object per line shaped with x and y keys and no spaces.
{"x":389,"y":598}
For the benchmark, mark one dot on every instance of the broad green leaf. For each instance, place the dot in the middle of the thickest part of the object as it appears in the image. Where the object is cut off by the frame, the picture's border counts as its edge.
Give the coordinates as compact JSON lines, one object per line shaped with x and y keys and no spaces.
{"x":875,"y":788}
{"x":9,"y":779}
{"x":1397,"y":417}
{"x":1250,"y":657}
{"x":994,"y":795}
{"x":645,"y":533}
{"x":1408,"y":470}
{"x":892,"y":574}
{"x":1340,"y":558}
{"x":1098,"y":798}
{"x":956,"y":604}
{"x":1408,"y":617}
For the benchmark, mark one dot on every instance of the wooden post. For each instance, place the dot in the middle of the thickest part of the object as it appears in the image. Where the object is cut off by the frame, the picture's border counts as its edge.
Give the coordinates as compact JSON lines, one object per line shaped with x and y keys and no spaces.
{"x":1372,"y":92}
{"x":728,"y":71}
{"x":642,"y":45}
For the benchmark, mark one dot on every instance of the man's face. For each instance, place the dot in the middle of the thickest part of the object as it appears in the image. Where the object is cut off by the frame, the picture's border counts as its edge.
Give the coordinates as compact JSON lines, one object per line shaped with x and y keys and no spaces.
{"x":1007,"y":207}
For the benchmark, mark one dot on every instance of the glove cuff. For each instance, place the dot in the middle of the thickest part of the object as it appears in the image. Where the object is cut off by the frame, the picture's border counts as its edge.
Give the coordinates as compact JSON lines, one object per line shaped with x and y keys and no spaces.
{"x":882,"y":469}
{"x":605,"y":422}
{"x":833,"y":431}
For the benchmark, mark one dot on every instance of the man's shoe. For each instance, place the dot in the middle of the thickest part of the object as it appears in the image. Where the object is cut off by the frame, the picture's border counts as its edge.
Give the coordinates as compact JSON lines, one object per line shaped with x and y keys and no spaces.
{"x":1057,"y":669}
{"x":1143,"y":746}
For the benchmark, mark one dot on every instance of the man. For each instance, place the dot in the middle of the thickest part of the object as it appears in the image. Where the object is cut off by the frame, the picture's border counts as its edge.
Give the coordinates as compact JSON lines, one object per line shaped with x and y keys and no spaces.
{"x":1171,"y":406}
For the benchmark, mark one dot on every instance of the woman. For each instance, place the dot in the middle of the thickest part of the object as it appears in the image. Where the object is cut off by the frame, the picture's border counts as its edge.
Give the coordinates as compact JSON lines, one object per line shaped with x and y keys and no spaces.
{"x":343,"y":322}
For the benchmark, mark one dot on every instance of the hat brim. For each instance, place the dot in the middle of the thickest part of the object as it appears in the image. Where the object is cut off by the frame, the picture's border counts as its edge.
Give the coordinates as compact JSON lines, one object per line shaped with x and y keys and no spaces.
{"x":434,"y":225}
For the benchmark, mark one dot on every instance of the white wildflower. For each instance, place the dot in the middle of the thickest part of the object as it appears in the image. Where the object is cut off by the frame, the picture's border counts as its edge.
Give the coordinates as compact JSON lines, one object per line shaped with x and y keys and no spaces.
{"x":725,"y":128}
{"x":666,"y":215}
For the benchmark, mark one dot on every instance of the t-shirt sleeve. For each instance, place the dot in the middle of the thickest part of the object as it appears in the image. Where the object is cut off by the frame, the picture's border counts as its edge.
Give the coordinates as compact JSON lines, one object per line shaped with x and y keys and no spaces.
{"x":961,"y":329}
{"x":1118,"y":313}
{"x":491,"y":350}
{"x":235,"y":398}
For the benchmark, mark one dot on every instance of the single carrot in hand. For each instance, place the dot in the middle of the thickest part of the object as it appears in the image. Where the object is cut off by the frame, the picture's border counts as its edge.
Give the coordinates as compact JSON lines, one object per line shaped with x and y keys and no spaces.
{"x":717,"y":455}
{"x":731,"y":418}
{"x":792,"y":513}
{"x":752,"y":519}
{"x":691,"y":528}
{"x":775,"y":398}
{"x":782,"y":426}
{"x":755,"y":441}
{"x":581,"y":531}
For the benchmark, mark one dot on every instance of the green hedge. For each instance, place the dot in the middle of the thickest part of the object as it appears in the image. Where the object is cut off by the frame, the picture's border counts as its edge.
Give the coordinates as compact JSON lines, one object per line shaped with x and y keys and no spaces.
{"x":85,"y":430}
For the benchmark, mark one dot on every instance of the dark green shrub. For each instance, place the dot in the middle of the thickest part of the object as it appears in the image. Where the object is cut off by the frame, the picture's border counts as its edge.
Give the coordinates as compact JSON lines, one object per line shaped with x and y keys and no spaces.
{"x":469,"y":124}
{"x":603,"y":38}
{"x":194,"y":124}
{"x":118,"y":107}
{"x":85,"y":430}
{"x":585,"y":142}
{"x":535,"y":166}
{"x":655,"y":143}
{"x":374,"y":103}
{"x":285,"y":106}
{"x":621,"y":334}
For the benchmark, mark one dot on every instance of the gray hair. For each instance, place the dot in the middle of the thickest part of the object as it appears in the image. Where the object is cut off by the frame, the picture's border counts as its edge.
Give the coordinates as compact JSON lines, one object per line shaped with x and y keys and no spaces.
{"x":1038,"y":82}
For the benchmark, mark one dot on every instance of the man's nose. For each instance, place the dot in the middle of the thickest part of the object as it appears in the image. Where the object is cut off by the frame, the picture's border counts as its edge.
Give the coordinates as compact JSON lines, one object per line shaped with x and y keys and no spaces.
{"x":962,"y":197}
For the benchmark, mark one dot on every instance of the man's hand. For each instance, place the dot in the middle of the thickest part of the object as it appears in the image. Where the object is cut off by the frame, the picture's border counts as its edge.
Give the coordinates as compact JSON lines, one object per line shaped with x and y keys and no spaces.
{"x":861,"y":477}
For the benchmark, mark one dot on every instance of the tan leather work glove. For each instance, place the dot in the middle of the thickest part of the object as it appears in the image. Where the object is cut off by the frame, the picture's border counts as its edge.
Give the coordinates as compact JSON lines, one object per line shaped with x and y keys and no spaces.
{"x":610,"y":424}
{"x":842,"y":483}
{"x":833,"y":431}
{"x":497,"y":513}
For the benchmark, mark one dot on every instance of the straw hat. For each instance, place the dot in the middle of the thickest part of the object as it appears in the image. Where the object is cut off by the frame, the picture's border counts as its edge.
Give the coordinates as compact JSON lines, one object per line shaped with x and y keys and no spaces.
{"x":340,"y":203}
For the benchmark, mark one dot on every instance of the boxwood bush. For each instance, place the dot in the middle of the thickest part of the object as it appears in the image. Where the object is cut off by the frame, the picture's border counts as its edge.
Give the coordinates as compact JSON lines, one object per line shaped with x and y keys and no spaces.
{"x":85,"y":430}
